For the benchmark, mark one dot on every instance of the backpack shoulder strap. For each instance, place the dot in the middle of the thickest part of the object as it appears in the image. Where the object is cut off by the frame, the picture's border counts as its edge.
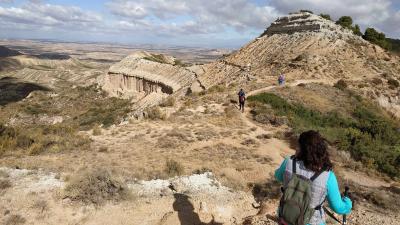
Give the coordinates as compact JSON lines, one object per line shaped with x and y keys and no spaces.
{"x":316,"y":175}
{"x":293,"y":165}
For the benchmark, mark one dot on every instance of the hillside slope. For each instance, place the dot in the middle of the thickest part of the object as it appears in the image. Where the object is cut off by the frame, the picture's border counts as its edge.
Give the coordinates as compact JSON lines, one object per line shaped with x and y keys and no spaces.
{"x":306,"y":46}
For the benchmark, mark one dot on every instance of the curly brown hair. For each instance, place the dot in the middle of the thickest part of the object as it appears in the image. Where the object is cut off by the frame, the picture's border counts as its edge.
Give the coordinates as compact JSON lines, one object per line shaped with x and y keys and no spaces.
{"x":314,"y":151}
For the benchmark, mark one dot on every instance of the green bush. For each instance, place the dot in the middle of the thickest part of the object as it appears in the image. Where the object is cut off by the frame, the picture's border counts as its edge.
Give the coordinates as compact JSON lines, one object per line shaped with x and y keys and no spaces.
{"x":345,"y":21}
{"x":369,"y":136}
{"x":108,"y":112}
{"x":356,"y":30}
{"x":325,"y":16}
{"x":377,"y":38}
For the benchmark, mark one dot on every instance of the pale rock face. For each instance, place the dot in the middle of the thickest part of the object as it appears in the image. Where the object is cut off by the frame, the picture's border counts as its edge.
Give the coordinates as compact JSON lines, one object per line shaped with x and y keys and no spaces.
{"x":138,"y":75}
{"x":306,"y":22}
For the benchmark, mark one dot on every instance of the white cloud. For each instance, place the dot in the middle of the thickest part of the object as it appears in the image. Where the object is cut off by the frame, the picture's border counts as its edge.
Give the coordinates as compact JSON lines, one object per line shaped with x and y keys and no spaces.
{"x":176,"y":20}
{"x":195,"y":16}
{"x":37,"y":14}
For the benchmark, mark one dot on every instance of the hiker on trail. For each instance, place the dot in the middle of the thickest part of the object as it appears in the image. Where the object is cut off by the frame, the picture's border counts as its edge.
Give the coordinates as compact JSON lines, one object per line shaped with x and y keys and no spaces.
{"x":281,"y":79}
{"x":242,"y":99}
{"x":308,"y":180}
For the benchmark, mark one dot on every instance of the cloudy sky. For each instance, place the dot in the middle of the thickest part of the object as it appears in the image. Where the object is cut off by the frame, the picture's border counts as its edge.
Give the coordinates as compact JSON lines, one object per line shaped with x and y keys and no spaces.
{"x":206,"y":23}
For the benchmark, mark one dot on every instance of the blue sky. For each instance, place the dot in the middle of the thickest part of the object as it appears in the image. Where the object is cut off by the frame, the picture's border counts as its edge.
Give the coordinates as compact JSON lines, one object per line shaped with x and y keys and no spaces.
{"x":205,"y":23}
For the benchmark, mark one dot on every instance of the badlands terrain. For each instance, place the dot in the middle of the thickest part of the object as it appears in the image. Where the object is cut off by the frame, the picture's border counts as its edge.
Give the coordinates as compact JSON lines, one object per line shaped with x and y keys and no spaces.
{"x":109,"y":134}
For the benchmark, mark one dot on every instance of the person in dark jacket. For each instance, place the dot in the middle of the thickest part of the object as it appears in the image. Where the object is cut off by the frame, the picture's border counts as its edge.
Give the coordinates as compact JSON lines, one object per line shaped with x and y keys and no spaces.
{"x":242,"y":99}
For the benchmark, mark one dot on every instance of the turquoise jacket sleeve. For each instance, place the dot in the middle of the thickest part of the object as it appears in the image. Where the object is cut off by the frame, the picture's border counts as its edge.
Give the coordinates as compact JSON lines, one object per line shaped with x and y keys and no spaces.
{"x":336,"y":202}
{"x":281,"y":171}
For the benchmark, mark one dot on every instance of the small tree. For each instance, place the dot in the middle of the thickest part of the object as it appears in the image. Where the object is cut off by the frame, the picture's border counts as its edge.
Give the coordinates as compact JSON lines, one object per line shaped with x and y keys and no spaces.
{"x":345,"y":21}
{"x":376,"y":37}
{"x":356,"y":30}
{"x":325,"y":16}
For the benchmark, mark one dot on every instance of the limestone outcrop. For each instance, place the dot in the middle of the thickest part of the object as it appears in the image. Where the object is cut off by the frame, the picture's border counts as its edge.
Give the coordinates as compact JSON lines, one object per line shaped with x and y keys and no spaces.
{"x":304,"y":22}
{"x":143,"y":73}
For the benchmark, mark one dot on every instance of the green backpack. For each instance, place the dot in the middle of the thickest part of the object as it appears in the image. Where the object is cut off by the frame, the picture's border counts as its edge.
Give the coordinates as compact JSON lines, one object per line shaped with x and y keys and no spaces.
{"x":294,"y":207}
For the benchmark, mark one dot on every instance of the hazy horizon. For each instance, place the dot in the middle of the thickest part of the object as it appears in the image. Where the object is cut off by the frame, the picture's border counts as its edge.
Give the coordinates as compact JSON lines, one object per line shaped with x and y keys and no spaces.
{"x":195,"y":23}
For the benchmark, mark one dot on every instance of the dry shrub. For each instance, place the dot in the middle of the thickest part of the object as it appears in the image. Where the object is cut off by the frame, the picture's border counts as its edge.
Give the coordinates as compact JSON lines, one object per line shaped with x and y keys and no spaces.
{"x":103,"y":149}
{"x":40,"y":205}
{"x":393,"y":83}
{"x":15,"y":220}
{"x":264,"y":136}
{"x":249,"y":142}
{"x":155,"y":113}
{"x":377,"y":81}
{"x":96,"y":187}
{"x":202,"y":170}
{"x":266,"y":191}
{"x":168,"y":102}
{"x":173,"y":168}
{"x":5,"y":184}
{"x":96,"y":131}
{"x":341,"y":84}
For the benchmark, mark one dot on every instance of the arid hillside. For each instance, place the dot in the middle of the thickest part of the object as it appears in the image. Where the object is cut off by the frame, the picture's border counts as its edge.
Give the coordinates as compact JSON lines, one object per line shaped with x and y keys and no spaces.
{"x":110,"y":135}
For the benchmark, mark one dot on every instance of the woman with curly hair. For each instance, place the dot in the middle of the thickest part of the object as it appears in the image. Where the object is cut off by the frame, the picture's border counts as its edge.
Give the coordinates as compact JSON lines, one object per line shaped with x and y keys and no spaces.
{"x":309,"y":172}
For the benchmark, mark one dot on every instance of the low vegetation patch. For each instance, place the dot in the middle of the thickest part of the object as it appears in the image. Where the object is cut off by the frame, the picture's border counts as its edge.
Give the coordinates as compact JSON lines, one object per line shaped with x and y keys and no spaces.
{"x":368,"y":134}
{"x":96,"y":187}
{"x":173,"y":168}
{"x":41,"y":138}
{"x":156,"y":58}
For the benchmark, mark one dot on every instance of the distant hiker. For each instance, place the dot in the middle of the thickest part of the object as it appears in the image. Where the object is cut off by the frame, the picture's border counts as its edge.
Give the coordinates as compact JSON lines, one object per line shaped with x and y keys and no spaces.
{"x":281,"y":79}
{"x":308,"y":180}
{"x":242,"y":99}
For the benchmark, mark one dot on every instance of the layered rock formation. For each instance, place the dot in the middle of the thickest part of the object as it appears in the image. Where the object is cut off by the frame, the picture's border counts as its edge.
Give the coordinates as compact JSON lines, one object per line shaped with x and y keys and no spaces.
{"x":303,"y":22}
{"x":143,"y":73}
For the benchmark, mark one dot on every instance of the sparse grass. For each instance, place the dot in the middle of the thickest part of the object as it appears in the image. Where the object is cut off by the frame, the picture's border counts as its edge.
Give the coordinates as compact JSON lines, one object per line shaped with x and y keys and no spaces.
{"x":368,"y":134}
{"x":15,"y":220}
{"x":173,"y":168}
{"x":96,"y":187}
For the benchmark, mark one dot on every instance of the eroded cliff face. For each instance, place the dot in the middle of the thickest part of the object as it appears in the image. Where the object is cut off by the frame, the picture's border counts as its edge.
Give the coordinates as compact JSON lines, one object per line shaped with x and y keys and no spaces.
{"x":142,"y":73}
{"x":127,"y":86}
